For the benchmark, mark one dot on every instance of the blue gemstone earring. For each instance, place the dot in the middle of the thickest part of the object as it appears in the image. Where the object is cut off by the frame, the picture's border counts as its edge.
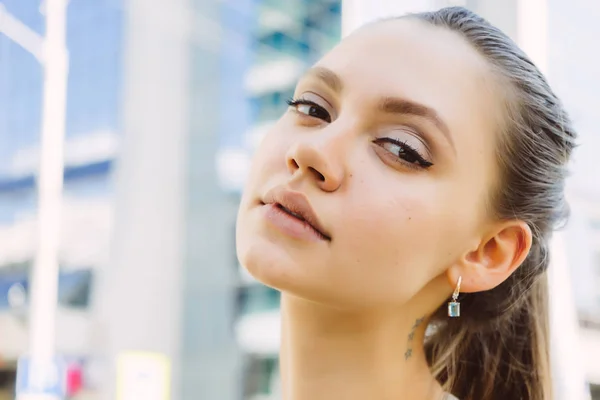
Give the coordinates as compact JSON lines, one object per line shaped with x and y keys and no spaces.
{"x":454,"y":305}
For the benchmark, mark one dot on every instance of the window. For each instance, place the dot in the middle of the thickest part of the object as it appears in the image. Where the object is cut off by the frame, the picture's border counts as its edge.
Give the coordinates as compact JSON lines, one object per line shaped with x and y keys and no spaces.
{"x":258,"y":298}
{"x":259,"y":376}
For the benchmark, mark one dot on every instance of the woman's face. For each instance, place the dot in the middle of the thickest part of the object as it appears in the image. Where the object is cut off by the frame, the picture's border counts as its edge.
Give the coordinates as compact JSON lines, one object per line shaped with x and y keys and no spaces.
{"x":389,"y":151}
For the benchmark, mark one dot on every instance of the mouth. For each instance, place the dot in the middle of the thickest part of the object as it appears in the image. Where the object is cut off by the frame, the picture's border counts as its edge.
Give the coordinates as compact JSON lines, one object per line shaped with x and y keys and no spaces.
{"x":297,"y":218}
{"x":292,"y":213}
{"x":302,"y":219}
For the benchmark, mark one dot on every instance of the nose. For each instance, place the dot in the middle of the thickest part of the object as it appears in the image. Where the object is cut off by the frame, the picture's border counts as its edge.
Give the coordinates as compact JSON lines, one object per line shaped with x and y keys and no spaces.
{"x":319,"y":161}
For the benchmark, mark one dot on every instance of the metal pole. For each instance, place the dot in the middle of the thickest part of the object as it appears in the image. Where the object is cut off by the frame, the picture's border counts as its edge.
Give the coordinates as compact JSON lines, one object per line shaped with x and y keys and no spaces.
{"x":44,"y":276}
{"x":20,"y":33}
{"x":44,"y":291}
{"x":51,"y":51}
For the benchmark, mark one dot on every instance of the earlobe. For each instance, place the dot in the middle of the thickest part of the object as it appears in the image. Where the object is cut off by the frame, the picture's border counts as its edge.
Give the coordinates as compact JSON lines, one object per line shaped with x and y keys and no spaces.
{"x":495,"y":259}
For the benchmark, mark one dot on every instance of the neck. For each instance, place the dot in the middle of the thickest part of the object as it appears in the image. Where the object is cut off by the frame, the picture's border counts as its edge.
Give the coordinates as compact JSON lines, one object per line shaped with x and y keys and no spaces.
{"x":332,"y":354}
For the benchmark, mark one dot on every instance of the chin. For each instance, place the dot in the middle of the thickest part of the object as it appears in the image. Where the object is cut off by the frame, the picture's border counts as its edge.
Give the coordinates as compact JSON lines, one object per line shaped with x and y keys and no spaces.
{"x":274,"y":267}
{"x":271,"y":259}
{"x":281,"y":263}
{"x":266,"y":262}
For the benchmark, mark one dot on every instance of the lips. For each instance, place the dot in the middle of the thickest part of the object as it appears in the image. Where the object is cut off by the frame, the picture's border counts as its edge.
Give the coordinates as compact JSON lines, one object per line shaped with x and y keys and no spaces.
{"x":293,"y":214}
{"x":297,"y":206}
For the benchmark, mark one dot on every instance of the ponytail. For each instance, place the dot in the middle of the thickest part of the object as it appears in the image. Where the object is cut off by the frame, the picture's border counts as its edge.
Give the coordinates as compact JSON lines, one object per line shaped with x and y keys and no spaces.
{"x":504,"y":360}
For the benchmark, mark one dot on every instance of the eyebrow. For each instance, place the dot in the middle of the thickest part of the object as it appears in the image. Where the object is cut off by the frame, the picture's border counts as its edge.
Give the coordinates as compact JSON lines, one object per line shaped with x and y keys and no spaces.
{"x":388,"y":105}
{"x":396,"y":105}
{"x":327,"y":76}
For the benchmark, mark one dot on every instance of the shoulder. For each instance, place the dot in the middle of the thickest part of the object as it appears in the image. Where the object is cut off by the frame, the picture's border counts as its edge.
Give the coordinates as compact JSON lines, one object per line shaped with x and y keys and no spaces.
{"x":450,"y":397}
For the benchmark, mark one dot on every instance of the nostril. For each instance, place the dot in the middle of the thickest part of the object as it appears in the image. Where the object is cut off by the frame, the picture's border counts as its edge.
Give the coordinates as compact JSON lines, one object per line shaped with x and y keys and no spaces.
{"x":319,"y":175}
{"x":294,"y":164}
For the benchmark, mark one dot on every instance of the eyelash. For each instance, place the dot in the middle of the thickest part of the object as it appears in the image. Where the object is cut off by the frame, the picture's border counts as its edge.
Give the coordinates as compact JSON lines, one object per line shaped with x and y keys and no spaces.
{"x":409,"y":152}
{"x":303,"y":102}
{"x":418,"y":161}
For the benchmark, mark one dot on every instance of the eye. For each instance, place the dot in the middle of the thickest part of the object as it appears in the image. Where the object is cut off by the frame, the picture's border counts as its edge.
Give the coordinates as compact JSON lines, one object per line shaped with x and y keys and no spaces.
{"x":403,"y":152}
{"x":310,"y":108}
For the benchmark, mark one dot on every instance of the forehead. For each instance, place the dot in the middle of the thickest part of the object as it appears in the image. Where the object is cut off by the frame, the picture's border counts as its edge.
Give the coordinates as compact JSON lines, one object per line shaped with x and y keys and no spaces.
{"x":421,"y":62}
{"x":399,"y":51}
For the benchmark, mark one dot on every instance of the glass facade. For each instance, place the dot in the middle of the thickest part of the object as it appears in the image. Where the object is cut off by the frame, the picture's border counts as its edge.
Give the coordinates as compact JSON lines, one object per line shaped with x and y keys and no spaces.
{"x":258,"y":298}
{"x":299,"y":34}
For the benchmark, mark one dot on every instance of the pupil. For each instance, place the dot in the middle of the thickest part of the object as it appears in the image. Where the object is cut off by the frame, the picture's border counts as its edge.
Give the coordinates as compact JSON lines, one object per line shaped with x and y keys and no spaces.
{"x":319,"y":113}
{"x":407,"y":156}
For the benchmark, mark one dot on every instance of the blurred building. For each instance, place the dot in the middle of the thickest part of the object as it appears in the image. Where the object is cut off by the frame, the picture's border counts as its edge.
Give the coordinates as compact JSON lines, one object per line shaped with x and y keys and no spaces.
{"x":146,"y":253}
{"x":571,"y":71}
{"x":94,"y":40}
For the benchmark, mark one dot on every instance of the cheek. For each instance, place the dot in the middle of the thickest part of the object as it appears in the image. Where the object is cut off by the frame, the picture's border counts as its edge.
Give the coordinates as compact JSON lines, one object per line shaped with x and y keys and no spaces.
{"x":391,"y":226}
{"x":394,"y":238}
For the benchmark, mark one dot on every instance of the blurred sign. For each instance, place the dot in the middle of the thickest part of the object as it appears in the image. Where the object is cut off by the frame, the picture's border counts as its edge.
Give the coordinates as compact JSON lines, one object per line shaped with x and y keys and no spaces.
{"x":74,"y":379}
{"x":142,"y":375}
{"x":37,"y":380}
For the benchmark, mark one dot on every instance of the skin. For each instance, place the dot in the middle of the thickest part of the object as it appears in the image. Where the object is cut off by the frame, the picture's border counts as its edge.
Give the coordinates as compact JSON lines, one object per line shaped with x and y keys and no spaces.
{"x":355,"y":308}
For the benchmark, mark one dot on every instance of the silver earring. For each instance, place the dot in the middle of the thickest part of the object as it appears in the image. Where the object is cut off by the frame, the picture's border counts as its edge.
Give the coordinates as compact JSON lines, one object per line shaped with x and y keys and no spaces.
{"x":454,"y":305}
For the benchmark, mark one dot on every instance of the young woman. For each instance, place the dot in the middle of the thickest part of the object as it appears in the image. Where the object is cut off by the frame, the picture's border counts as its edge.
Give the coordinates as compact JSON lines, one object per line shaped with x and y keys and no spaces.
{"x":423,"y":157}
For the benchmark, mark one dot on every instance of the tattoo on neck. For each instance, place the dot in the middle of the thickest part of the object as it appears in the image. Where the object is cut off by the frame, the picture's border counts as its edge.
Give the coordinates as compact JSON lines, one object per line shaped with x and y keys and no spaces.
{"x":411,"y":337}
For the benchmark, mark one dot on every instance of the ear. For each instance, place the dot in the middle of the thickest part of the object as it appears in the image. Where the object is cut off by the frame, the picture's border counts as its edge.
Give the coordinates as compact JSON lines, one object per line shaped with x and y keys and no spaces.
{"x":494,"y":259}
